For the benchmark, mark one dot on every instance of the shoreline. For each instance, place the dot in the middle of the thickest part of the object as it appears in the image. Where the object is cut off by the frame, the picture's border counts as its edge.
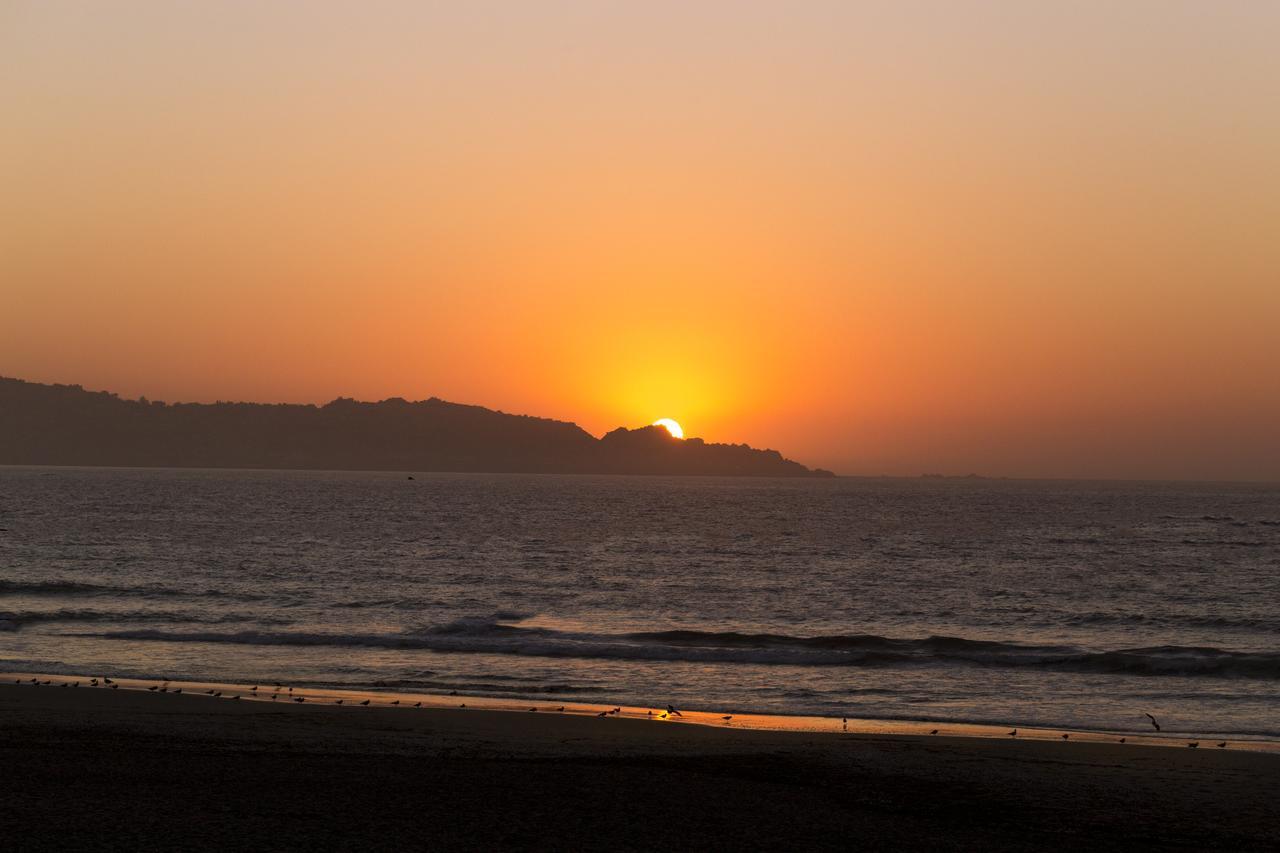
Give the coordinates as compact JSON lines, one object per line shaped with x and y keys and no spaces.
{"x":351,"y":700}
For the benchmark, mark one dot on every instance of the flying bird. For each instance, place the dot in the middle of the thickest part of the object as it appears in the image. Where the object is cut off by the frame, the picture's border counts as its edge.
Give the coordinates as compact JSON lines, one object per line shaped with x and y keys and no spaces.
{"x":1153,"y":722}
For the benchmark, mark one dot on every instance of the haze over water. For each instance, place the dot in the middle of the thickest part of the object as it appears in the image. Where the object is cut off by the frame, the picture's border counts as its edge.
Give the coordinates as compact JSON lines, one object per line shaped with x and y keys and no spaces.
{"x":1059,"y":604}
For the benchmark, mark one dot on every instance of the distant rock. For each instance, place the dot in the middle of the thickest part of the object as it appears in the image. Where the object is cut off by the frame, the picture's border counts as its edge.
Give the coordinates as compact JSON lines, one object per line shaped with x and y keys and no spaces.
{"x":66,"y":425}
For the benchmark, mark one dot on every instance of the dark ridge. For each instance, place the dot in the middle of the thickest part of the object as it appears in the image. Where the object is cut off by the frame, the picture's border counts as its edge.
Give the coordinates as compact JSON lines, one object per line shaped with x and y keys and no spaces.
{"x":67,"y":425}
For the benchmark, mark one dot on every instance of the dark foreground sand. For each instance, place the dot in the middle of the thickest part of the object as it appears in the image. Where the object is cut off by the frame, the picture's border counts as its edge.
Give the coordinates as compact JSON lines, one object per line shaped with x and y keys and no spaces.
{"x":98,"y":769}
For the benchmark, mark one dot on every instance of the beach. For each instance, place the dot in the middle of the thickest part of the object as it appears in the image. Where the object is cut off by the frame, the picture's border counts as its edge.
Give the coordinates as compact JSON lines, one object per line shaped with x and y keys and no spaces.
{"x":94,"y":768}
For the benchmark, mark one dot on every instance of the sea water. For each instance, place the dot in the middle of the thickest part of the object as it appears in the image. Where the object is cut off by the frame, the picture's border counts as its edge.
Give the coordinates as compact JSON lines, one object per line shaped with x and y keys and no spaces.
{"x":1067,"y":604}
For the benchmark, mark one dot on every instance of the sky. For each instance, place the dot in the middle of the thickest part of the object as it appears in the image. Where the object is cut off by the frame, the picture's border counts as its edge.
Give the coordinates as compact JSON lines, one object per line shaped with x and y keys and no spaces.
{"x":1019,"y":239}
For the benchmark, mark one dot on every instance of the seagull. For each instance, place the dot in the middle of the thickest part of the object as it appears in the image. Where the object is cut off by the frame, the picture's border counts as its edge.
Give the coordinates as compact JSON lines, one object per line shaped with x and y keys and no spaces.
{"x":601,"y":714}
{"x":339,"y":702}
{"x":727,"y":718}
{"x":397,"y":702}
{"x":417,"y":704}
{"x":365,"y":703}
{"x":560,"y":709}
{"x":1013,"y":733}
{"x":253,"y":689}
{"x":1066,"y":737}
{"x":533,"y":709}
{"x":106,"y":680}
{"x":1122,"y":740}
{"x":1194,"y":744}
{"x":616,"y":711}
{"x":463,"y":705}
{"x":1222,"y":745}
{"x":661,"y":716}
{"x":934,"y":732}
{"x":1153,"y":722}
{"x":673,"y":712}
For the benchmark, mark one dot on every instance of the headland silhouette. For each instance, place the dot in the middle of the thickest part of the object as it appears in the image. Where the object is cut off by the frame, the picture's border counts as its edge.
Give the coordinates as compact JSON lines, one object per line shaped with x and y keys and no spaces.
{"x":67,"y":425}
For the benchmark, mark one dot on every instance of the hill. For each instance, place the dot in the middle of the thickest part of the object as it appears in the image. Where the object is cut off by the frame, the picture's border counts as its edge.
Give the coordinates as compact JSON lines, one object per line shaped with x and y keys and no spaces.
{"x":67,"y":425}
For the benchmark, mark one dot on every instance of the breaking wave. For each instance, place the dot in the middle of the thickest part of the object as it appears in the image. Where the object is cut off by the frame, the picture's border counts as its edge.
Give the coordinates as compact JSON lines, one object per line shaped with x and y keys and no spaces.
{"x":489,"y":636}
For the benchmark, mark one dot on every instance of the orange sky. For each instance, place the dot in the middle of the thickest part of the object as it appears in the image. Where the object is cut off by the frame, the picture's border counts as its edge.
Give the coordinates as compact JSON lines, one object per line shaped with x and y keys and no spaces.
{"x":881,"y":237}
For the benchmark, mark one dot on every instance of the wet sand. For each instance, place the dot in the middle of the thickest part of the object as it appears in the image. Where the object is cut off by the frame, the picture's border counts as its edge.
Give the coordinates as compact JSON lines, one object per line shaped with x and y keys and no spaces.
{"x":91,"y":768}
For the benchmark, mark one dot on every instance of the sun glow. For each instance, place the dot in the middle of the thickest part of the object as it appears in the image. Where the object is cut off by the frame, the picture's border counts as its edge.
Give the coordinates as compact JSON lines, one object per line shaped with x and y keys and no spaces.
{"x":671,"y":426}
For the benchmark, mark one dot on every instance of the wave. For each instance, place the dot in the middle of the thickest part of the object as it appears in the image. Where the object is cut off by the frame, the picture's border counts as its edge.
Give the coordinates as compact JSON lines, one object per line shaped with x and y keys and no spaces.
{"x":16,"y":620}
{"x":487,"y":636}
{"x":71,"y":588}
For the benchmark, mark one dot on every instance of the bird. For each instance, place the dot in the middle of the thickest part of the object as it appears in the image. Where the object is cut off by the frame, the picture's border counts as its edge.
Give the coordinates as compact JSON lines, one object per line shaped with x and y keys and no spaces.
{"x":673,"y":712}
{"x":365,"y":703}
{"x":934,"y":732}
{"x":275,"y":696}
{"x":648,"y":713}
{"x":397,"y":702}
{"x":844,"y":723}
{"x":417,"y":704}
{"x":560,"y":709}
{"x":300,"y":699}
{"x":663,"y":715}
{"x":1013,"y":733}
{"x":601,"y":714}
{"x":217,"y":694}
{"x":339,"y":702}
{"x":1195,"y":744}
{"x":152,"y":688}
{"x":1066,"y":737}
{"x":616,"y":711}
{"x":253,"y":689}
{"x":727,"y":717}
{"x":1153,"y":722}
{"x":106,"y":680}
{"x":1222,"y":745}
{"x":77,"y":684}
{"x":463,"y":705}
{"x":1122,"y":740}
{"x":533,"y":709}
{"x":115,"y":687}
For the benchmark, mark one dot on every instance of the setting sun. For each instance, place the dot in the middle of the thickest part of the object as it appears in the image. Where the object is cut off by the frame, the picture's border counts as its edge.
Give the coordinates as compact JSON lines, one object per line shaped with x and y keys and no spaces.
{"x":672,"y":427}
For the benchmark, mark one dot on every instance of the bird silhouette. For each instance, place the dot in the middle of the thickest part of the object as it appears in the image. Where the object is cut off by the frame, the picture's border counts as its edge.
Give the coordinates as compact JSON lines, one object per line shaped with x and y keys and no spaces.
{"x":1066,"y":737}
{"x":339,"y":702}
{"x":1222,"y":745}
{"x":603,"y":714}
{"x":417,"y":704}
{"x":1153,"y":722}
{"x":560,"y":709}
{"x":662,"y":716}
{"x":365,"y":703}
{"x":463,"y":705}
{"x":253,"y":689}
{"x":673,"y":712}
{"x":1194,"y":744}
{"x":106,"y":680}
{"x":533,"y":709}
{"x":727,"y":718}
{"x":1013,"y":733}
{"x":1122,"y":740}
{"x":934,"y":732}
{"x":397,"y":702}
{"x":300,"y":699}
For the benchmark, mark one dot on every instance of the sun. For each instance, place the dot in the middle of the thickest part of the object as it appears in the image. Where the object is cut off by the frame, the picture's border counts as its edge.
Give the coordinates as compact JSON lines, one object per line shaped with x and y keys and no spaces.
{"x":672,"y":427}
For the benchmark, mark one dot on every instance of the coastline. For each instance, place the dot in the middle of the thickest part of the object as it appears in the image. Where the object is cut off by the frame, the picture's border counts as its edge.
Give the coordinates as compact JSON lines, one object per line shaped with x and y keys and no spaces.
{"x":101,"y":768}
{"x":281,"y":695}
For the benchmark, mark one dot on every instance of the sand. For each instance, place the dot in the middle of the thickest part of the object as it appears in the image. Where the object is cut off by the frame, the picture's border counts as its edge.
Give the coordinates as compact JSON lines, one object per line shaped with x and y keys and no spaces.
{"x":91,"y":768}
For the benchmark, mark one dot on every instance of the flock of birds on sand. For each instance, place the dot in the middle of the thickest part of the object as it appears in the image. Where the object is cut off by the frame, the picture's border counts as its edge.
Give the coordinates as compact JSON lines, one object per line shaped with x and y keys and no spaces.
{"x":282,"y":690}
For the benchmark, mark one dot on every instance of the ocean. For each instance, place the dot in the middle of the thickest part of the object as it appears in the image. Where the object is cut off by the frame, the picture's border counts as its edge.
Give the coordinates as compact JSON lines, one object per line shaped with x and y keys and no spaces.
{"x":1055,"y":604}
